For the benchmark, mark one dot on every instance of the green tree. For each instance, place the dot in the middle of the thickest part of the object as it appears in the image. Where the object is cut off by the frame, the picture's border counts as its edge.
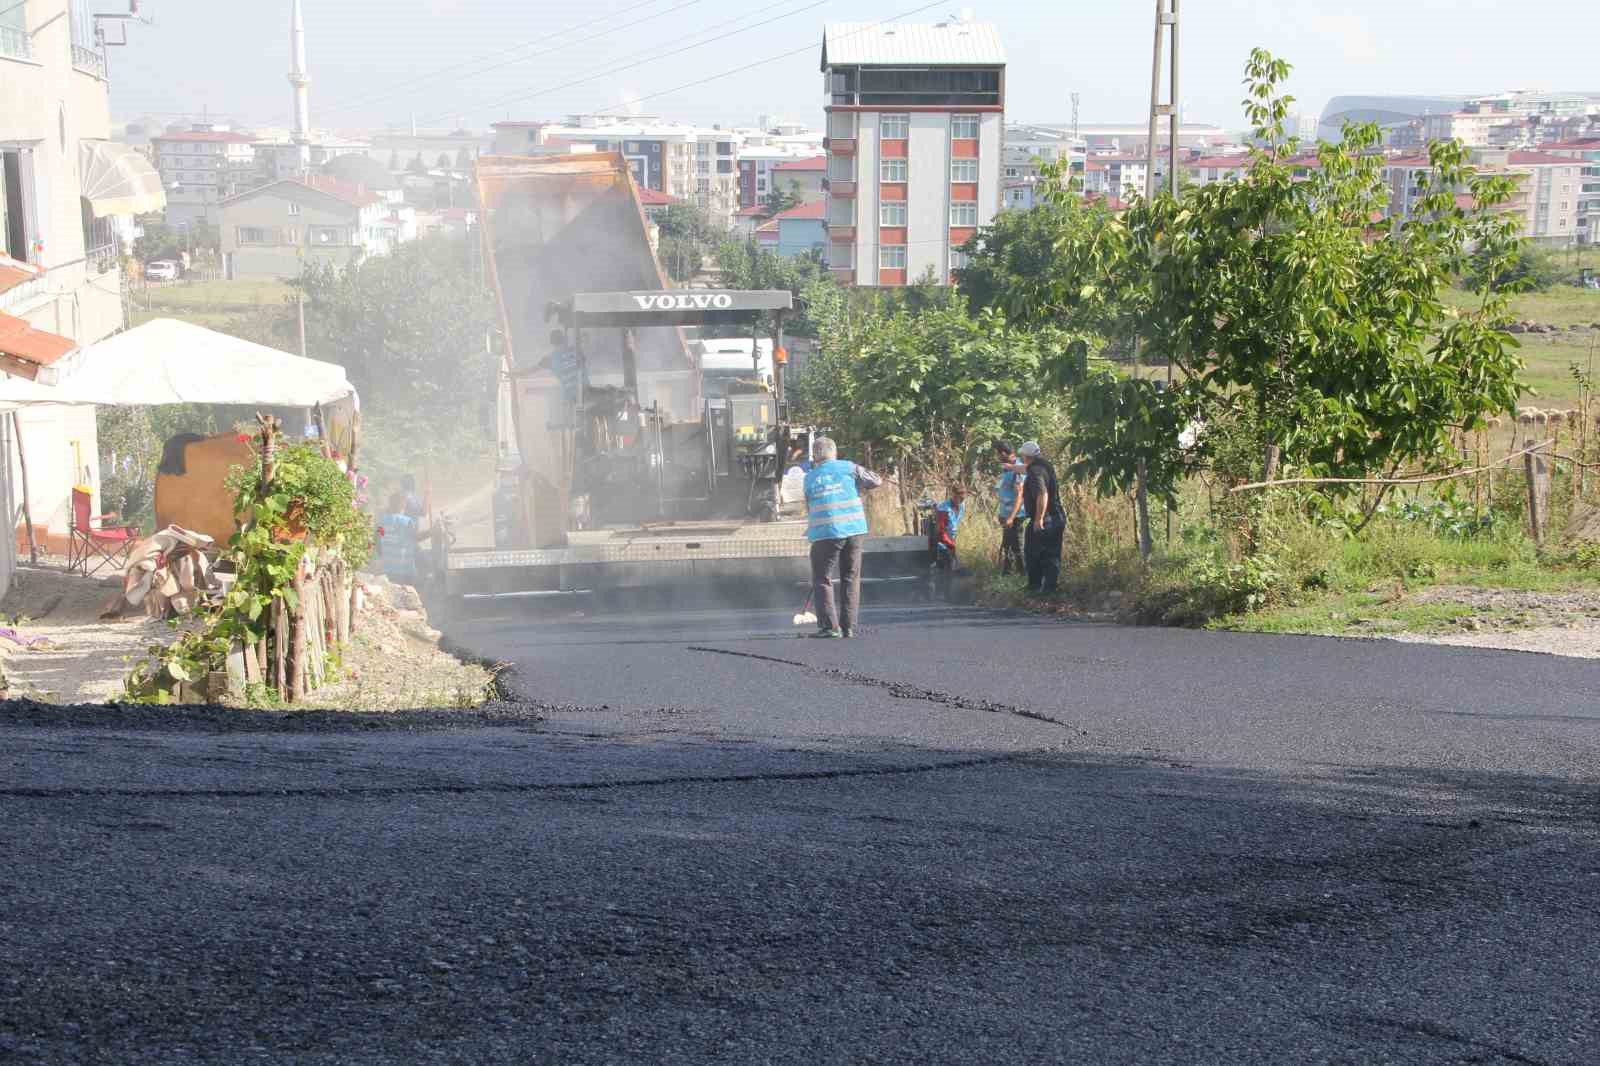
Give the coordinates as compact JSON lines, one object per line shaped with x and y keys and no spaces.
{"x":443,"y":162}
{"x":1529,"y":270}
{"x":682,"y":257}
{"x":1279,"y":300}
{"x":747,"y":265}
{"x":779,"y":199}
{"x":930,"y":387}
{"x":410,"y":329}
{"x":417,"y":166}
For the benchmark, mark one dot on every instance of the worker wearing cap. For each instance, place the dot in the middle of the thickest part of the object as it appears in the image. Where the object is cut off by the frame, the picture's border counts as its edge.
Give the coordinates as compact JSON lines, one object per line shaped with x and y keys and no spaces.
{"x":1047,"y":521}
{"x":836,"y":525}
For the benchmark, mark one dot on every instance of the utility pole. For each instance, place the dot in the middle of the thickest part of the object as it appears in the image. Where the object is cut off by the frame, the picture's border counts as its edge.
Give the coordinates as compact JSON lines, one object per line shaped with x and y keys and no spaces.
{"x":1166,"y":23}
{"x":1166,"y":19}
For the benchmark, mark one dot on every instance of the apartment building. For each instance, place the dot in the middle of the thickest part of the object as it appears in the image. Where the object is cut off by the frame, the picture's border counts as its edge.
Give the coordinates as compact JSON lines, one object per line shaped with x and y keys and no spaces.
{"x":763,"y":149}
{"x":1548,"y":189}
{"x":1115,"y":175}
{"x":275,"y":230}
{"x":696,"y":164}
{"x":66,"y":190}
{"x":1587,"y":152}
{"x":201,"y":167}
{"x":915,"y":120}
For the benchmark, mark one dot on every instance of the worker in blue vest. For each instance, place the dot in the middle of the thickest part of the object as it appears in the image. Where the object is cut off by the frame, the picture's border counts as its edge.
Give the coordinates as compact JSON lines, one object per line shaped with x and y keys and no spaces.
{"x":836,"y":526}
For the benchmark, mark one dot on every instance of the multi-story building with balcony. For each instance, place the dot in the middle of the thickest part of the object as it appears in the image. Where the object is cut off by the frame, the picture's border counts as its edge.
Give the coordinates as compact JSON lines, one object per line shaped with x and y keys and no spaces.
{"x":1587,"y":152}
{"x":66,"y":192}
{"x":1546,"y":199}
{"x":915,"y":120}
{"x":201,"y":167}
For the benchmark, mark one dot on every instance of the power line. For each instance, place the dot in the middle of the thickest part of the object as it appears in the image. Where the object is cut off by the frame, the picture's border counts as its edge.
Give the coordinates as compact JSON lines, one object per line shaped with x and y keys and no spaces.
{"x":410,"y":85}
{"x":783,"y":55}
{"x":651,"y":55}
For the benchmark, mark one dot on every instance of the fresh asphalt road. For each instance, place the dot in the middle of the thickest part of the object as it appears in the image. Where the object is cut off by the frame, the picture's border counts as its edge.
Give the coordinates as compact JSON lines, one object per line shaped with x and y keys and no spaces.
{"x":965,"y":838}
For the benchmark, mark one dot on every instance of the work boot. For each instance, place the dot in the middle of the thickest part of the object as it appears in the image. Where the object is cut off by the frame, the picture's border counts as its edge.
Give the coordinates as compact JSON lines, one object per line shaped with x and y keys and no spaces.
{"x":828,"y":634}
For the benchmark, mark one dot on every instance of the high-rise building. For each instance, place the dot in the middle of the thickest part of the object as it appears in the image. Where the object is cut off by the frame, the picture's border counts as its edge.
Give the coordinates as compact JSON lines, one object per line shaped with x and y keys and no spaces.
{"x":915,"y":115}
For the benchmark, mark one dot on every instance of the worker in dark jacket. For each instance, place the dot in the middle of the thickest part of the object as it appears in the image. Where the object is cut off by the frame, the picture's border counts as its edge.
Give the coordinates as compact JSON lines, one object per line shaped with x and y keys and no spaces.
{"x":1047,"y":521}
{"x":836,"y":525}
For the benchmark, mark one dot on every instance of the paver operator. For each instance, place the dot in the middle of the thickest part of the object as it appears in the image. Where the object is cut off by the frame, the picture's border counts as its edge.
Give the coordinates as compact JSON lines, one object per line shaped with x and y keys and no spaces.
{"x":836,"y":526}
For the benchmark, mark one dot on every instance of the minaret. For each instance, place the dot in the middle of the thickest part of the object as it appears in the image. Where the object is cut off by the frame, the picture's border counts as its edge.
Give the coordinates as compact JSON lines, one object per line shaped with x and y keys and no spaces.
{"x":299,"y":78}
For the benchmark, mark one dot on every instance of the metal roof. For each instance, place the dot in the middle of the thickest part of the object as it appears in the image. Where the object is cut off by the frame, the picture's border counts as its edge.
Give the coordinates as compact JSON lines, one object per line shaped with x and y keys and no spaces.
{"x":922,"y":44}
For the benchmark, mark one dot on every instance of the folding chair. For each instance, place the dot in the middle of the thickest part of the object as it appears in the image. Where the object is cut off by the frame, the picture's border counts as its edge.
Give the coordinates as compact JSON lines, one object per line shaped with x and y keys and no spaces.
{"x":91,"y":547}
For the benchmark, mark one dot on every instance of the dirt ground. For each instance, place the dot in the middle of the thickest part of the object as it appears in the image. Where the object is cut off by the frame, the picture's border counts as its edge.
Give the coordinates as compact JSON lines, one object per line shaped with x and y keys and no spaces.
{"x":1555,"y":623}
{"x":78,"y":658}
{"x":394,"y":661}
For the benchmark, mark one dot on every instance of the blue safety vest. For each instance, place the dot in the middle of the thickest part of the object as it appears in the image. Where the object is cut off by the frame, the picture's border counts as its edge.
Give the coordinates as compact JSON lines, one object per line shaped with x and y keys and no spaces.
{"x":833,"y":502}
{"x":397,"y":545}
{"x":954,"y":521}
{"x":1008,"y":488}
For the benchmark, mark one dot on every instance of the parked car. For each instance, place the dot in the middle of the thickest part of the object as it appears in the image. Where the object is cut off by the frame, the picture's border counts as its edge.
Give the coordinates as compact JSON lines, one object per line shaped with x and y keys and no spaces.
{"x":161,"y":270}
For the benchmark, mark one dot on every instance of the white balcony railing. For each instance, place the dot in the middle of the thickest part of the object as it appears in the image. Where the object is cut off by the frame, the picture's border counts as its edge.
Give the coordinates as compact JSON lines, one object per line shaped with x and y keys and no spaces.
{"x":16,"y":43}
{"x":21,"y":296}
{"x":88,"y":61}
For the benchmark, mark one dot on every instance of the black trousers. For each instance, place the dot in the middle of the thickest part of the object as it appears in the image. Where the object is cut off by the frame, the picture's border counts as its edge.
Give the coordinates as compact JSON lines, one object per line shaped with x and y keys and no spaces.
{"x":1011,"y":547}
{"x":846,"y":551}
{"x":1042,"y":552}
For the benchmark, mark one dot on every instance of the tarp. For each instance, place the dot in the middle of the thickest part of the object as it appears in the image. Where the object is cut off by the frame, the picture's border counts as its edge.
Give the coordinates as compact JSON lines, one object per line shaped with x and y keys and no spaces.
{"x":118,"y":180}
{"x":166,"y":361}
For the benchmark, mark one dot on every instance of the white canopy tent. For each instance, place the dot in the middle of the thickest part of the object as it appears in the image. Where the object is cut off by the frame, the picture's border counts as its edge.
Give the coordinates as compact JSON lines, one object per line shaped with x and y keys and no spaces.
{"x":166,"y":361}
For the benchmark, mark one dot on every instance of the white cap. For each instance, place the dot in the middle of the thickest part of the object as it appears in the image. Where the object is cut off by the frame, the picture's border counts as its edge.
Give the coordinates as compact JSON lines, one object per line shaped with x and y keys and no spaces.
{"x":1029,"y":449}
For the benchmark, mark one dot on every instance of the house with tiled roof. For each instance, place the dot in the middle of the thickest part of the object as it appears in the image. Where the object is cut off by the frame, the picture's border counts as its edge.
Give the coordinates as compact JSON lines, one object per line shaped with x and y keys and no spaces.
{"x":805,"y":178}
{"x":275,"y":230}
{"x":802,"y":230}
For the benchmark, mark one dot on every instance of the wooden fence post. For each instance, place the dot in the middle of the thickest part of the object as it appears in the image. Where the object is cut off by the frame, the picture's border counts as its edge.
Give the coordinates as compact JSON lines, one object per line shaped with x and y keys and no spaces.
{"x":1538,"y":473}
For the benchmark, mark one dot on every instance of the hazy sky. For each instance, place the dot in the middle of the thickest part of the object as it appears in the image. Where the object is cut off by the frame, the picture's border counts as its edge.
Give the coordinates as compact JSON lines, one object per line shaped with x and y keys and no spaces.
{"x":480,"y":60}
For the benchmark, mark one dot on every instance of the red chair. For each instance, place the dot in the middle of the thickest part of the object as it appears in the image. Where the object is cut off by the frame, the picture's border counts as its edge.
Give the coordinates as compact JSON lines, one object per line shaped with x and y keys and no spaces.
{"x":93,"y":547}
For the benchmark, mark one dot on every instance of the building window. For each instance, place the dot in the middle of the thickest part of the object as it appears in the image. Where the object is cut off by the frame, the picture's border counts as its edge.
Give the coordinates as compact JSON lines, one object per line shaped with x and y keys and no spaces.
{"x":724,"y":147}
{"x":724,"y":166}
{"x":892,"y":170}
{"x":894,"y":127}
{"x":254,"y":235}
{"x":841,"y":168}
{"x":964,"y":127}
{"x":966,"y":170}
{"x":631,"y":147}
{"x":294,"y":208}
{"x":841,"y":124}
{"x":892,"y":213}
{"x":892,"y":257}
{"x":964,"y":213}
{"x":1011,"y":172}
{"x":959,"y":260}
{"x":324,"y":236}
{"x":940,"y":87}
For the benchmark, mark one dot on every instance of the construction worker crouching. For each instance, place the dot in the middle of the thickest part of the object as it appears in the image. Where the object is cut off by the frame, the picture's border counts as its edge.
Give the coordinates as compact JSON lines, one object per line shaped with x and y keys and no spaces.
{"x":836,"y":525}
{"x":942,"y":530}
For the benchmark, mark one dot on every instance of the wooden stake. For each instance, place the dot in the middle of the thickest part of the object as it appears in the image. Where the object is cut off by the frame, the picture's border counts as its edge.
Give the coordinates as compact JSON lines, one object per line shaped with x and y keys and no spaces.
{"x":27,"y":503}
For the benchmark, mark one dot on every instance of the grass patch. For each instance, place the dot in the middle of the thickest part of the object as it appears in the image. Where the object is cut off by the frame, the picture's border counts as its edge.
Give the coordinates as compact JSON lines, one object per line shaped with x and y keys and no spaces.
{"x":217,"y":295}
{"x":1349,"y":614}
